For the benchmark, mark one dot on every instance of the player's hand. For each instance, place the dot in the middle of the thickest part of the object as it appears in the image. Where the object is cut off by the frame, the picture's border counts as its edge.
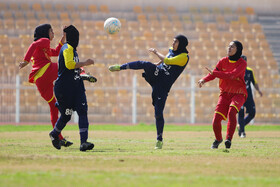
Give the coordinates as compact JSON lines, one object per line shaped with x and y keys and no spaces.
{"x":153,"y":50}
{"x":210,"y":71}
{"x":200,"y":82}
{"x":89,"y":62}
{"x":22,"y":64}
{"x":63,"y":38}
{"x":260,"y":93}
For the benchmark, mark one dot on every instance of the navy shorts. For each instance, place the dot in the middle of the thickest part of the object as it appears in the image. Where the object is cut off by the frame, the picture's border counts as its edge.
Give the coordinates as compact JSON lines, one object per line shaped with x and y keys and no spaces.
{"x":67,"y":103}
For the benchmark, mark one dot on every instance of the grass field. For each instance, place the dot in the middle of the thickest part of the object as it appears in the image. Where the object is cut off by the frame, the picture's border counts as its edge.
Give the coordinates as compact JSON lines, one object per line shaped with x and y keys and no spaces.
{"x":124,"y":156}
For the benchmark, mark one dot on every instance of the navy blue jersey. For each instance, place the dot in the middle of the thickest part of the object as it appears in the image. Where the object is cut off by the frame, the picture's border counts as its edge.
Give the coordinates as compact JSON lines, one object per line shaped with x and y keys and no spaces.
{"x":171,"y":69}
{"x":69,"y":79}
{"x":249,"y":78}
{"x":69,"y":87}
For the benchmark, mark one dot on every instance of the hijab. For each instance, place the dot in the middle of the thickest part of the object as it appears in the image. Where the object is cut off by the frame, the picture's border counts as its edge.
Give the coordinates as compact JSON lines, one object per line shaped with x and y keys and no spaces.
{"x":183,"y":43}
{"x":238,"y":53}
{"x":42,"y":31}
{"x":72,"y":36}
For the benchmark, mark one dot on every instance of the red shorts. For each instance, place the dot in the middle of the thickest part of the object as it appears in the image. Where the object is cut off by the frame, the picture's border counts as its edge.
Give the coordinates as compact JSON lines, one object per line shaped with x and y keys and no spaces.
{"x":45,"y":83}
{"x":227,"y":100}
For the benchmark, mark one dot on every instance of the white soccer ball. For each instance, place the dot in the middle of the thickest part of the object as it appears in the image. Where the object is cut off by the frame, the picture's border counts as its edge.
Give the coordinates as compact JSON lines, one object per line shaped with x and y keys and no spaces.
{"x":112,"y":25}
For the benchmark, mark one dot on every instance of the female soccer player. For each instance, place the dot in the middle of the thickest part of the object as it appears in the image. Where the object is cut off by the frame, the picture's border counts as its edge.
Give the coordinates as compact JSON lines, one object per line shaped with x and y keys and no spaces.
{"x":44,"y":72}
{"x":69,"y":90}
{"x":161,"y":77}
{"x":230,"y":70}
{"x":249,"y":103}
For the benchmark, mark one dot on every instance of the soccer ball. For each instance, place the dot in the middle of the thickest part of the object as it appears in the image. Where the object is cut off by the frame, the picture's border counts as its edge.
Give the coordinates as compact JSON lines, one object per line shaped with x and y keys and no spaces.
{"x":112,"y":25}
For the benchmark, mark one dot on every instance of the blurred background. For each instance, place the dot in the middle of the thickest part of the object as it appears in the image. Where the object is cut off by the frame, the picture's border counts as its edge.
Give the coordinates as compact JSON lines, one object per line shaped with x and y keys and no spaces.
{"x":125,"y":97}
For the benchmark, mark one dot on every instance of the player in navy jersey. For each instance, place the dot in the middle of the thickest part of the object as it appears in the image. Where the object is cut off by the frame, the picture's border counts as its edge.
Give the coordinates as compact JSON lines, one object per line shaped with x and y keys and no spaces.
{"x":69,"y":90}
{"x":161,"y":77}
{"x":249,"y":104}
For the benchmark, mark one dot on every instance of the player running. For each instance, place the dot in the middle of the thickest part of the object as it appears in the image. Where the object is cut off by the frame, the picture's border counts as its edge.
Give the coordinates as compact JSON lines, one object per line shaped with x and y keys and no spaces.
{"x":230,"y":70}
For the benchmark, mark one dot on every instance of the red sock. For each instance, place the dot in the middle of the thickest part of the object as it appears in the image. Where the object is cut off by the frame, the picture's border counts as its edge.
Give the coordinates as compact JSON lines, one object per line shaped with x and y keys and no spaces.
{"x":217,"y":126}
{"x":231,"y":126}
{"x":54,"y":114}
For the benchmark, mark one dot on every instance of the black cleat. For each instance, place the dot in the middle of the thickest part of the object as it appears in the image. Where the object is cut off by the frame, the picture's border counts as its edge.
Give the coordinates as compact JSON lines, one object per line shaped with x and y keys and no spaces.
{"x":65,"y":142}
{"x":55,"y":141}
{"x":88,"y":77}
{"x":228,"y":143}
{"x":216,"y":144}
{"x":86,"y":146}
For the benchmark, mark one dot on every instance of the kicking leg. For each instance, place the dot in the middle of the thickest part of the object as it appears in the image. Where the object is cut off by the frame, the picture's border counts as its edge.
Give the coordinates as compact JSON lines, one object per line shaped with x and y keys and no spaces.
{"x":133,"y":65}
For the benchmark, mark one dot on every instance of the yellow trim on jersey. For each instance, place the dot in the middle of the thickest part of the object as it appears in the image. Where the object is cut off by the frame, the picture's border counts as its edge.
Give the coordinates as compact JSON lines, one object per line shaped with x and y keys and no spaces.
{"x":69,"y":57}
{"x":232,"y":61}
{"x":179,"y":60}
{"x":41,"y":71}
{"x":51,"y":99}
{"x":250,"y":69}
{"x":235,"y":107}
{"x":221,"y":115}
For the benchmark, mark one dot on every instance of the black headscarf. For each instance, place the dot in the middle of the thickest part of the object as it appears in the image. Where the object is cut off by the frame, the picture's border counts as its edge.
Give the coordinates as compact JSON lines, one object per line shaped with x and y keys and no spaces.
{"x":183,"y":43}
{"x":238,"y":53}
{"x":42,"y":31}
{"x":72,"y":36}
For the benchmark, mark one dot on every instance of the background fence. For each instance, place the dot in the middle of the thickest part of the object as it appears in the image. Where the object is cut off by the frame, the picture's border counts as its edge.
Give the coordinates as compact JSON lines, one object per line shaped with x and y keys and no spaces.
{"x":128,"y":100}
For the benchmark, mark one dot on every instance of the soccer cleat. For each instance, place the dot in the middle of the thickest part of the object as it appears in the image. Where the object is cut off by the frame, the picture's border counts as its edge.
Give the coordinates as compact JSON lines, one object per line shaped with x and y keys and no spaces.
{"x":243,"y":135}
{"x":86,"y":146}
{"x":159,"y":144}
{"x":65,"y":143}
{"x":216,"y":144}
{"x":115,"y":68}
{"x":55,"y":141}
{"x":228,"y":143}
{"x":88,"y":77}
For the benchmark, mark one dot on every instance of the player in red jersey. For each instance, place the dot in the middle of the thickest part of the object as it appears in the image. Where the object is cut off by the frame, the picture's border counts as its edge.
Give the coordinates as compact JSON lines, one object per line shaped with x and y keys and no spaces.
{"x":44,"y":72}
{"x":230,"y":70}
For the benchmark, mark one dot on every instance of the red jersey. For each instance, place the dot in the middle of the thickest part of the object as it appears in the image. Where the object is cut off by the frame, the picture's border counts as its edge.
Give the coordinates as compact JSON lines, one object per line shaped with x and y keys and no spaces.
{"x":231,"y":75}
{"x":41,"y":52}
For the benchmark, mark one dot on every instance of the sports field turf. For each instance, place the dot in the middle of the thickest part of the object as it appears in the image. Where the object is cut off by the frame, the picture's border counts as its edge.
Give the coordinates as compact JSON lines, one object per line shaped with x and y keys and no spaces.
{"x":124,"y":156}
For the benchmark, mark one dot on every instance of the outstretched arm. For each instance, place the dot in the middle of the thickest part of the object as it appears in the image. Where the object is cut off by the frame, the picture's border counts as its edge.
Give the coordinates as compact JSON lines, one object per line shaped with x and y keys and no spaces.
{"x":85,"y":63}
{"x":207,"y":78}
{"x":159,"y":55}
{"x":31,"y":50}
{"x":55,"y":52}
{"x":258,"y":89}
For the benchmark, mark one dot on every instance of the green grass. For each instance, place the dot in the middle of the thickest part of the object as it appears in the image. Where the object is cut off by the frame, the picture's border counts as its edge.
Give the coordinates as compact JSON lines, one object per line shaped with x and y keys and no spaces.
{"x":124,"y":156}
{"x":138,"y":127}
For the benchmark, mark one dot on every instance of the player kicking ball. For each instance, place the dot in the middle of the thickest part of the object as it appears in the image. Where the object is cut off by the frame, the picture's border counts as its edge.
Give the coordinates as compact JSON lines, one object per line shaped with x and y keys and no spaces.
{"x":161,"y":76}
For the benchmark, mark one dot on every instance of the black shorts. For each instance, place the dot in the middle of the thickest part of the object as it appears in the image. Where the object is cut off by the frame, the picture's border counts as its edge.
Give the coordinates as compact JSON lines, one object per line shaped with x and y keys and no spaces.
{"x":69,"y":102}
